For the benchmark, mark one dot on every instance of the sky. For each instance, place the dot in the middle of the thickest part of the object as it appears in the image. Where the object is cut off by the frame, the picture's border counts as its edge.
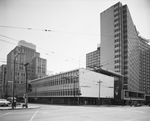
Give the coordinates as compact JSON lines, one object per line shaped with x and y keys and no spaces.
{"x":74,"y":28}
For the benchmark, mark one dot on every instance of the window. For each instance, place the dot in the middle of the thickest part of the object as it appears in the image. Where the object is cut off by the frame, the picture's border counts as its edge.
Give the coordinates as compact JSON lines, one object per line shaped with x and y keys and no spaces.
{"x":116,"y":15}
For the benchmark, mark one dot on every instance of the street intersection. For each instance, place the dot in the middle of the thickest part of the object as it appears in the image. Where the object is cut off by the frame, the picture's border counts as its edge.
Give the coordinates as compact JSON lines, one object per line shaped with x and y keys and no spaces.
{"x":39,"y":112}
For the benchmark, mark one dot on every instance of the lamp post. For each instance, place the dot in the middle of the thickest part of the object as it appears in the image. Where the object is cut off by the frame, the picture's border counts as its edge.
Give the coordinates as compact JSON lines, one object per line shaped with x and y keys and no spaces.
{"x":15,"y":56}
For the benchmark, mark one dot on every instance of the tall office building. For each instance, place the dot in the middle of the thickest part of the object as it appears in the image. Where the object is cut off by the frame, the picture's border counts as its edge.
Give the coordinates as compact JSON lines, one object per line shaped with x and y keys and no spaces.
{"x":120,"y":47}
{"x":39,"y":67}
{"x":93,"y":58}
{"x":2,"y":80}
{"x":144,"y":65}
{"x":22,"y":55}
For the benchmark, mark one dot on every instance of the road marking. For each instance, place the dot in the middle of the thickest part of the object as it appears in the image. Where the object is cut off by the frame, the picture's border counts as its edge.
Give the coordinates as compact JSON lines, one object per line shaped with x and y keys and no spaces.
{"x":34,"y":115}
{"x":5,"y":114}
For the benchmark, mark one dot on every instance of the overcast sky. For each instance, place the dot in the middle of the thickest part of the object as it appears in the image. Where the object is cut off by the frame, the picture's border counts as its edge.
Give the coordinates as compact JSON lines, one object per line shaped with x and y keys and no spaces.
{"x":75,"y":26}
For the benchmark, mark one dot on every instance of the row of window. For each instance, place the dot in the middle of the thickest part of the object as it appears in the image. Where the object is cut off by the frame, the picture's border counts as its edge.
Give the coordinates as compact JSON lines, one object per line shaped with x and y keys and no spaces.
{"x":117,"y":56}
{"x":124,"y":16}
{"x":117,"y":19}
{"x":118,"y":50}
{"x":70,"y":92}
{"x":117,"y":40}
{"x":117,"y":35}
{"x":116,"y":25}
{"x":117,"y":45}
{"x":117,"y":61}
{"x":116,"y":15}
{"x":56,"y":82}
{"x":117,"y":66}
{"x":117,"y":29}
{"x":116,"y":10}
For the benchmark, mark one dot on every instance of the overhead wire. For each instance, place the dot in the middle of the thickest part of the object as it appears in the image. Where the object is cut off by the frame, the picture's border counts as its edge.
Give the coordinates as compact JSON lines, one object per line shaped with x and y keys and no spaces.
{"x":104,"y":63}
{"x":51,"y":30}
{"x":48,"y":30}
{"x":24,"y":28}
{"x":7,"y":41}
{"x":47,"y":51}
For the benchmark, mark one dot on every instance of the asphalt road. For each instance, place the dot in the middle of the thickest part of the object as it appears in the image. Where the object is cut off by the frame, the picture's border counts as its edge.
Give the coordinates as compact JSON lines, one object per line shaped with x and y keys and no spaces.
{"x":76,"y":113}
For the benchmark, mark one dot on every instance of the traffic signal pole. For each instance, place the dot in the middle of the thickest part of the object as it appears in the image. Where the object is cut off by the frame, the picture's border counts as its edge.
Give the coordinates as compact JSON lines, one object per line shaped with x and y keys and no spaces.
{"x":26,"y":99}
{"x":13,"y":85}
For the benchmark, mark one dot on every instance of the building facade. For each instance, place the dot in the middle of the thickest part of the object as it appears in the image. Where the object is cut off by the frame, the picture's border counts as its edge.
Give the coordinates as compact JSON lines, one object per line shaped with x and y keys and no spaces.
{"x":144,"y":66}
{"x":39,"y":67}
{"x":120,"y":48}
{"x":22,"y":55}
{"x":93,"y":58}
{"x":78,"y":86}
{"x":2,"y":81}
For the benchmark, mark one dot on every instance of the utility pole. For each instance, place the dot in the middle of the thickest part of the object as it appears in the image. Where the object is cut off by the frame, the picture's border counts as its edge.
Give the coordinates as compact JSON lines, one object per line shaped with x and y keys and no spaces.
{"x":13,"y":85}
{"x":26,"y":99}
{"x":15,"y":56}
{"x":99,"y":82}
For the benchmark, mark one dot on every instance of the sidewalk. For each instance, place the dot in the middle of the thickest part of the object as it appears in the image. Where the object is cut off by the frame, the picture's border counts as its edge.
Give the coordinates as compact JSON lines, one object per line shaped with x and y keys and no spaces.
{"x":19,"y":107}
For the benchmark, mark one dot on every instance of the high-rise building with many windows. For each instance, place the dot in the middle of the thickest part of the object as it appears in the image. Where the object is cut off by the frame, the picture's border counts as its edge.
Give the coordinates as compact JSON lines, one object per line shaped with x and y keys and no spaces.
{"x":144,"y":65}
{"x":25,"y":54}
{"x":93,"y":58}
{"x":2,"y":80}
{"x":125,"y":52}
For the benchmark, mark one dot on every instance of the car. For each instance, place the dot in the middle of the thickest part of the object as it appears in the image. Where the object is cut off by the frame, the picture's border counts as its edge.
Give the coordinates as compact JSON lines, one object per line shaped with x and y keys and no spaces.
{"x":11,"y":100}
{"x":4,"y":102}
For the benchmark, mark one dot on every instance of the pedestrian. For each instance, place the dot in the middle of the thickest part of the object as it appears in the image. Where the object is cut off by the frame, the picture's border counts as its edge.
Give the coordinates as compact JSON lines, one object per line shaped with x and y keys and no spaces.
{"x":14,"y":103}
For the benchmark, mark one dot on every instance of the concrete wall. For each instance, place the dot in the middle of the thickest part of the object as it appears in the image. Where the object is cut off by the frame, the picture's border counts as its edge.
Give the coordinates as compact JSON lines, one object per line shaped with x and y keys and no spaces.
{"x":90,"y":87}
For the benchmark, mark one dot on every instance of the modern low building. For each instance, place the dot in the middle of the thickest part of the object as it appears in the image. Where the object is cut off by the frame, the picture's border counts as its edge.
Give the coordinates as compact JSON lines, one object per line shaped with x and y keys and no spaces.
{"x":78,"y":86}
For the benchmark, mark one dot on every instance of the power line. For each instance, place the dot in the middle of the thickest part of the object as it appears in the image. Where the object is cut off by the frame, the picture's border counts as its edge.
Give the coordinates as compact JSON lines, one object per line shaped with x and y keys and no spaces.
{"x":59,"y":56}
{"x":7,"y":41}
{"x":50,"y":30}
{"x":24,"y":28}
{"x":47,"y":51}
{"x":51,"y":52}
{"x":8,"y":37}
{"x":47,"y":30}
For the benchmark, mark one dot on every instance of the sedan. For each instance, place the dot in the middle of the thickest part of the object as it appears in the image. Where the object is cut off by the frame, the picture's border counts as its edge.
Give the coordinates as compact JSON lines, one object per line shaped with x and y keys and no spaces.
{"x":4,"y":102}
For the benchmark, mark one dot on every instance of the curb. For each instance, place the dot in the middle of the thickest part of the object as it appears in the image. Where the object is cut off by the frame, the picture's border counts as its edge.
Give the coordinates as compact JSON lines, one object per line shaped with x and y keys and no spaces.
{"x":18,"y":108}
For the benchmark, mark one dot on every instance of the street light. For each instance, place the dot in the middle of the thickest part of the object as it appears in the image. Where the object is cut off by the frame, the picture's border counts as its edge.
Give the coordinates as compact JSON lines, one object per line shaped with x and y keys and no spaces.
{"x":15,"y":56}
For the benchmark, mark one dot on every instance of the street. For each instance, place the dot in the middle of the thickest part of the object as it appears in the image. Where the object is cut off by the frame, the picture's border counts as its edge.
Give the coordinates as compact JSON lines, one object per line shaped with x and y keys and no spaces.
{"x":76,"y":113}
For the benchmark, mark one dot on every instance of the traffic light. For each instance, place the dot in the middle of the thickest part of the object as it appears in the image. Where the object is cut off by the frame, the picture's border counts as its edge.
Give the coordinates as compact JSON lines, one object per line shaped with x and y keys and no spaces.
{"x":29,"y":88}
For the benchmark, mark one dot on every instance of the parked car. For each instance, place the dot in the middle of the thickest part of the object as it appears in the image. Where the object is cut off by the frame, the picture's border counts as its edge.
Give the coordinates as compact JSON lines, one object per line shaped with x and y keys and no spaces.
{"x":4,"y":102}
{"x":11,"y":100}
